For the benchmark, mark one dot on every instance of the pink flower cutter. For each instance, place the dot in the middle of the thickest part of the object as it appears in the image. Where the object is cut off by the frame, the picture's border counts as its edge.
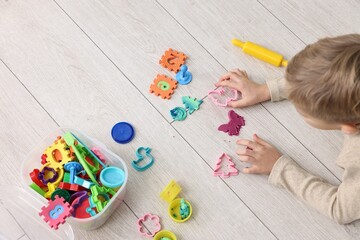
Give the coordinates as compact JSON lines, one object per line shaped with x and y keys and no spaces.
{"x":220,"y":92}
{"x":218,"y":172}
{"x":148,"y":216}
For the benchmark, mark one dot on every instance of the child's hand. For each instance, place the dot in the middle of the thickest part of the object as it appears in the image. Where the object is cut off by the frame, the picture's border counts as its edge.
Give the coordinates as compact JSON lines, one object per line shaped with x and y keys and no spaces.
{"x":251,"y":92}
{"x":259,"y":153}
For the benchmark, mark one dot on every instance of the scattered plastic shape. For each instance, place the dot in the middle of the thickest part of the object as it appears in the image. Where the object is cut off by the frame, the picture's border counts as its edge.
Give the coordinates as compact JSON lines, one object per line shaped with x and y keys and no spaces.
{"x":122,"y":132}
{"x":70,"y":186}
{"x":228,"y":94}
{"x":234,"y":125}
{"x":82,"y":182}
{"x":56,"y":212}
{"x":58,"y":154}
{"x":43,"y":159}
{"x":155,"y":220}
{"x":141,"y":158}
{"x":34,"y":175}
{"x":81,"y":210}
{"x":191,"y":103}
{"x":163,"y":86}
{"x":184,"y":209}
{"x":172,"y":60}
{"x":66,"y":177}
{"x":77,"y":195}
{"x":37,"y":189}
{"x":183,"y":77}
{"x":165,"y":235}
{"x":218,"y":172}
{"x":178,"y":113}
{"x":112,"y":177}
{"x":169,"y":194}
{"x":61,"y":193}
{"x":92,"y":207}
{"x":73,"y":168}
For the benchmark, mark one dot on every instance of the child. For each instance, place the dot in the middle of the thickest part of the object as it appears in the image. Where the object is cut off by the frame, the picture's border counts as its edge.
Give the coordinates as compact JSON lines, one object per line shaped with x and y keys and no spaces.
{"x":323,"y":82}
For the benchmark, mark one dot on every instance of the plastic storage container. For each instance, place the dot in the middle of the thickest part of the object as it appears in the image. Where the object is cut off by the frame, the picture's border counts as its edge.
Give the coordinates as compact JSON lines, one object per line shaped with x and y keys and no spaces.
{"x":24,"y":205}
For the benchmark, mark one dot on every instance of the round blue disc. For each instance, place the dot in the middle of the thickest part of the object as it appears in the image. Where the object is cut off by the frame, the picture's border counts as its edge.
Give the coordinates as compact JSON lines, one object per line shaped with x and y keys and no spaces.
{"x":122,"y":132}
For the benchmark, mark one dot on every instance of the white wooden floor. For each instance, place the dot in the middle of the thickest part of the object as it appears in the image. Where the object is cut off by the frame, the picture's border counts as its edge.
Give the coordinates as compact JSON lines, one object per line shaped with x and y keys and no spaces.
{"x":89,"y":64}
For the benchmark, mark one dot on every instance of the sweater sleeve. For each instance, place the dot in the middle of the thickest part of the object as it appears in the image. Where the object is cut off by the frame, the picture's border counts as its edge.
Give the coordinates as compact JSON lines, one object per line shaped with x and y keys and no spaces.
{"x":277,"y":89}
{"x":340,"y":203}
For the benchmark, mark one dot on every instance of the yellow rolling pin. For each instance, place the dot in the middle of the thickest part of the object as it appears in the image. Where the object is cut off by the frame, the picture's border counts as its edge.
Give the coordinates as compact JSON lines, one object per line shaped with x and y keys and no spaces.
{"x":261,"y":53}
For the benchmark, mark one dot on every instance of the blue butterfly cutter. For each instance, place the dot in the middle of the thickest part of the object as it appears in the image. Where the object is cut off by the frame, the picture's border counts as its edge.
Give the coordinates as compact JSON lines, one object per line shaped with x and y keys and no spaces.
{"x":140,"y":158}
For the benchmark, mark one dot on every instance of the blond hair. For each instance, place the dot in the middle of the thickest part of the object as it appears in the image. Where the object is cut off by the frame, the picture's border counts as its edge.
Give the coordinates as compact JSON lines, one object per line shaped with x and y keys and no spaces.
{"x":323,"y":80}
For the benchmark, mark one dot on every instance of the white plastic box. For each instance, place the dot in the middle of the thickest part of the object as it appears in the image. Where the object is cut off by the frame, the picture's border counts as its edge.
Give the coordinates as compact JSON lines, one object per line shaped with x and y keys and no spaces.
{"x":24,"y":205}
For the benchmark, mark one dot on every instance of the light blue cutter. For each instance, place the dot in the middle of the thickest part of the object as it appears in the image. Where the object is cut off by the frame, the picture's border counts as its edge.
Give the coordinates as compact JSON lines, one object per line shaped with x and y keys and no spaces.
{"x":140,"y":158}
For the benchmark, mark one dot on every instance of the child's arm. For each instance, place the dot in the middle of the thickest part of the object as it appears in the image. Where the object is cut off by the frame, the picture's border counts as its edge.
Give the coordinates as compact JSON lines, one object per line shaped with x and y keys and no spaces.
{"x":340,"y":203}
{"x":252,"y":92}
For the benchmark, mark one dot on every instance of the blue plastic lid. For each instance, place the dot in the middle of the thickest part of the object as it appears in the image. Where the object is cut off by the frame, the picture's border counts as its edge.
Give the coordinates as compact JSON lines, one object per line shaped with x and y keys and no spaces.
{"x":122,"y":132}
{"x":112,"y":177}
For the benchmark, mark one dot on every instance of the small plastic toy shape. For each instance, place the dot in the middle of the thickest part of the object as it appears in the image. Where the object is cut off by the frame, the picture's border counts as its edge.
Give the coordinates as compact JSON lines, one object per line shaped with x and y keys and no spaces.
{"x":184,"y":209}
{"x":155,"y":222}
{"x":191,"y":103}
{"x":222,"y":96}
{"x":183,"y":77}
{"x":234,"y":125}
{"x":218,"y":171}
{"x":172,"y":60}
{"x":57,"y":154}
{"x":163,"y":86}
{"x":178,"y":113}
{"x":140,"y":158}
{"x":74,"y":168}
{"x":56,"y":212}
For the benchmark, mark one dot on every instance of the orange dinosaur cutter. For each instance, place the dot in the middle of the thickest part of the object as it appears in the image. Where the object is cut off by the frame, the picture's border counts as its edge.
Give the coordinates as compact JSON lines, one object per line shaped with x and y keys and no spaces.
{"x":172,"y":60}
{"x":163,"y":86}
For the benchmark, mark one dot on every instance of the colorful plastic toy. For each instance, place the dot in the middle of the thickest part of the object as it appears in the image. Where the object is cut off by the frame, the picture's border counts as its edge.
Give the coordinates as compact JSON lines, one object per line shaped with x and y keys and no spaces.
{"x":70,"y":186}
{"x":58,"y":154}
{"x":141,"y":158}
{"x":100,"y":197}
{"x":34,"y":175}
{"x":122,"y":132}
{"x":50,"y":189}
{"x":169,"y":194}
{"x":183,"y":77}
{"x":92,"y":153}
{"x":234,"y":125}
{"x":232,"y":170}
{"x":165,"y":235}
{"x":184,"y":209}
{"x":77,"y":200}
{"x":61,"y":193}
{"x":215,"y":96}
{"x":155,"y":221}
{"x":56,"y":212}
{"x":191,"y":103}
{"x":99,"y":154}
{"x":172,"y":60}
{"x":261,"y":53}
{"x":178,"y":113}
{"x":43,"y":173}
{"x":82,"y":182}
{"x":163,"y":86}
{"x":69,"y":139}
{"x":66,"y":177}
{"x":37,"y":189}
{"x":73,"y":168}
{"x":112,"y":177}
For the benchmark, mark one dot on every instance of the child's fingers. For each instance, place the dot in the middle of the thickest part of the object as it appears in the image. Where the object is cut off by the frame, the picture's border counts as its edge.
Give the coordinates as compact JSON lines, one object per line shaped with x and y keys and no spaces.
{"x":229,"y":83}
{"x":238,"y":103}
{"x":260,"y":140}
{"x":248,"y":143}
{"x":245,"y":152}
{"x":247,"y":159}
{"x":250,"y":170}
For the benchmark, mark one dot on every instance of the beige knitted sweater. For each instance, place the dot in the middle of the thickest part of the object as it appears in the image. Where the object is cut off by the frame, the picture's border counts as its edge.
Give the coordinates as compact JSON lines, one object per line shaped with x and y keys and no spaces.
{"x":341,"y":203}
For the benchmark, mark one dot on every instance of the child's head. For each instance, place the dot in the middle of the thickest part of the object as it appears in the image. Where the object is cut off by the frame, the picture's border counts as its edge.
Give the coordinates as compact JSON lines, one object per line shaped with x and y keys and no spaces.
{"x":323,"y":82}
